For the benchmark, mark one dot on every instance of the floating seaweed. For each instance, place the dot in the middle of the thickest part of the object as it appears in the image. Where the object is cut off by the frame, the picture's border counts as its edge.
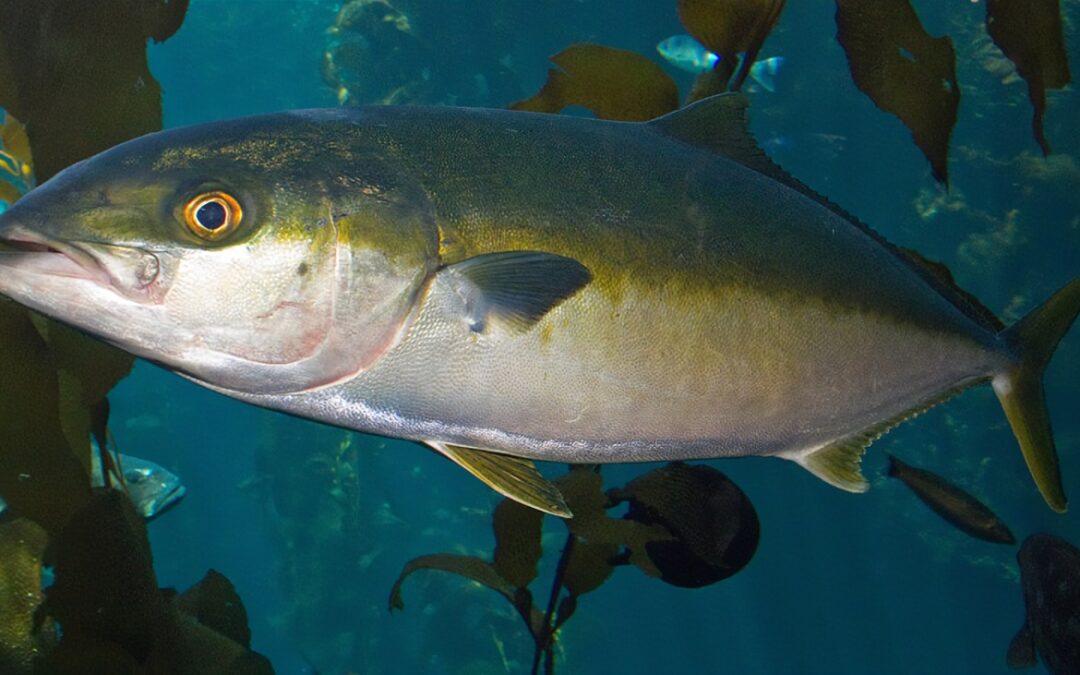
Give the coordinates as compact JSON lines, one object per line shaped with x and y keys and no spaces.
{"x":615,"y":84}
{"x":903,"y":70}
{"x":687,"y":525}
{"x":892,"y":59}
{"x":1030,"y":34}
{"x":76,"y":73}
{"x":733,"y":30}
{"x":331,"y":525}
{"x":22,"y":547}
{"x":406,"y":52}
{"x":364,"y":57}
{"x":111,"y":612}
{"x":77,"y":100}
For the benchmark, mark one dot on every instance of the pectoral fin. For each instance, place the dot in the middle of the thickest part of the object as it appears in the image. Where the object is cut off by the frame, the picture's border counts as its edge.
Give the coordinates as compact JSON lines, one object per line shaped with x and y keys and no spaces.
{"x":514,"y":477}
{"x":514,"y":288}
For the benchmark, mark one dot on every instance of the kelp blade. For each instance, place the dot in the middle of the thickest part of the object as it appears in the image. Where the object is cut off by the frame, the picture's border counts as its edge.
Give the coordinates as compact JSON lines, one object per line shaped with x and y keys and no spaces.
{"x":728,"y":28}
{"x":91,"y":75}
{"x":517,"y":542}
{"x":1030,"y":34}
{"x":615,"y":84}
{"x":903,"y":70}
{"x":40,"y":477}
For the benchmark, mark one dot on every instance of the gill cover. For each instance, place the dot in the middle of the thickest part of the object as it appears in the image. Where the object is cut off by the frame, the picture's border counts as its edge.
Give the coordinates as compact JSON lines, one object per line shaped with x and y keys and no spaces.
{"x":267,"y":255}
{"x":323,"y":287}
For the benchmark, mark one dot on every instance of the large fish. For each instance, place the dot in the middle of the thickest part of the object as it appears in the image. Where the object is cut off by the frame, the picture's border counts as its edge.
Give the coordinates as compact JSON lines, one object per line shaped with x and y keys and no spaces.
{"x":505,"y":287}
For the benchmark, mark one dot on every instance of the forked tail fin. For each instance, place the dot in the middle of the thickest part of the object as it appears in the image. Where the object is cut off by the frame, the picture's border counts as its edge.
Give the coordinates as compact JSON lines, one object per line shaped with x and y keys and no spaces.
{"x":1020,"y":389}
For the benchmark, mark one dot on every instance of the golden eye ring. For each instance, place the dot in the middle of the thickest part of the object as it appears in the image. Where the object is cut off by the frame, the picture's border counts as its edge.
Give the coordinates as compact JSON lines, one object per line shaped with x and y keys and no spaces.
{"x":212,"y":215}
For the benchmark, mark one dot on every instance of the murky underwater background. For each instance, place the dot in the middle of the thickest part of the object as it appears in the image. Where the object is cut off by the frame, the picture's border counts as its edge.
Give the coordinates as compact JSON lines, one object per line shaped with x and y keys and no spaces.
{"x":313,"y":525}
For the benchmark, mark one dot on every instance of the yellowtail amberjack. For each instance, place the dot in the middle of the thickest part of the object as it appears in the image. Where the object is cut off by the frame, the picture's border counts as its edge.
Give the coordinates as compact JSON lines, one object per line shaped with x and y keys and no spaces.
{"x":506,"y":287}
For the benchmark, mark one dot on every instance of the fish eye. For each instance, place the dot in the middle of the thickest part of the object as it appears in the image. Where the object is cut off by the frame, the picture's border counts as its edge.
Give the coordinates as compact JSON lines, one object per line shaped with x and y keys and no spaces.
{"x":212,"y":215}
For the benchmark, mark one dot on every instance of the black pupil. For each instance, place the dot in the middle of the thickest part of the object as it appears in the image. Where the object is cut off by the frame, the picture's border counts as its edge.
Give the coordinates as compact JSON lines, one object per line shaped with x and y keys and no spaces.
{"x":211,"y":215}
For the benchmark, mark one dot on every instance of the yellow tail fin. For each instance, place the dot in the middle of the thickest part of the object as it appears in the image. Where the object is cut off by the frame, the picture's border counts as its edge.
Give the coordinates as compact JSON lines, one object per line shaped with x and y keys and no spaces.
{"x":1020,"y":388}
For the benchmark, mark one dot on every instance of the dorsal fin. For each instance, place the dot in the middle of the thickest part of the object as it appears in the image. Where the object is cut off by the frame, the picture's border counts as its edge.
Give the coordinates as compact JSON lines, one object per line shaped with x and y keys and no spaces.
{"x":719,"y":124}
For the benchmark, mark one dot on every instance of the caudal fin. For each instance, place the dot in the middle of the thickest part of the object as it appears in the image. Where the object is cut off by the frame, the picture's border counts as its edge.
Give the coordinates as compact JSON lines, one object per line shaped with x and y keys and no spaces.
{"x":1020,"y":389}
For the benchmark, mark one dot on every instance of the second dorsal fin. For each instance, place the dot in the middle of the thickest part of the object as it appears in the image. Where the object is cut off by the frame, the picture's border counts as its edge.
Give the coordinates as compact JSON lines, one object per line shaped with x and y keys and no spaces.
{"x":718,"y":124}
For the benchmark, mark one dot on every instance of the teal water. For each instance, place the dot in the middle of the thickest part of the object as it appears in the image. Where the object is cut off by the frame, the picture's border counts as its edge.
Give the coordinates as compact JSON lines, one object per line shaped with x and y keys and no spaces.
{"x":840,"y":583}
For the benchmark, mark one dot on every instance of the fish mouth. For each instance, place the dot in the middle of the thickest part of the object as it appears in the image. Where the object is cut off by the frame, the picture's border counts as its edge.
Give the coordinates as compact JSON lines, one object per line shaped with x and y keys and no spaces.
{"x":41,"y":255}
{"x":164,"y":502}
{"x":124,"y":270}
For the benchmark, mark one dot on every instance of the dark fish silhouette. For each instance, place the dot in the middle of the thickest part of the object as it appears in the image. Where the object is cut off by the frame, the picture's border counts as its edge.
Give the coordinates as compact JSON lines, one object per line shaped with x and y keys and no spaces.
{"x":951,"y":503}
{"x":1050,"y":578}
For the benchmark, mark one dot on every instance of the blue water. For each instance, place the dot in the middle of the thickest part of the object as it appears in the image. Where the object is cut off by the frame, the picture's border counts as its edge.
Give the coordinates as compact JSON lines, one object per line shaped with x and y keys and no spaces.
{"x":840,"y":584}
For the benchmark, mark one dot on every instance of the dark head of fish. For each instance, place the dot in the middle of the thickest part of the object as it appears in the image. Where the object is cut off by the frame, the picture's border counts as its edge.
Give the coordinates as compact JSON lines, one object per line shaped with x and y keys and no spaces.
{"x":270,"y":254}
{"x":1050,"y":577}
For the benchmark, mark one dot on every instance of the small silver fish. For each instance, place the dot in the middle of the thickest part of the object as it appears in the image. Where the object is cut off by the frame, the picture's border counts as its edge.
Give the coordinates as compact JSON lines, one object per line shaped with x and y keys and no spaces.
{"x":153,"y":489}
{"x":686,"y":53}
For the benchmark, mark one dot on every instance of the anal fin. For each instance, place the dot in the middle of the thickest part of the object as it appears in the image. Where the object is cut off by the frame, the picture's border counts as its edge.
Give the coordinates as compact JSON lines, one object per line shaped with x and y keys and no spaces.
{"x":513,"y":477}
{"x":839,"y":463}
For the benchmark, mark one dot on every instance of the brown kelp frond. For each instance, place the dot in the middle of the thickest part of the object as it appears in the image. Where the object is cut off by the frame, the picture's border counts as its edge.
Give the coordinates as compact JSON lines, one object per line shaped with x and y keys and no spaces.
{"x":734,"y":30}
{"x":592,"y":524}
{"x":903,"y":70}
{"x":687,"y":525}
{"x":470,"y":567}
{"x":77,"y":73}
{"x":714,"y":525}
{"x":22,"y":546}
{"x":615,"y":84}
{"x":214,"y":603}
{"x":517,"y":543}
{"x":40,"y":477}
{"x":112,"y":613}
{"x":1030,"y":34}
{"x":892,"y":59}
